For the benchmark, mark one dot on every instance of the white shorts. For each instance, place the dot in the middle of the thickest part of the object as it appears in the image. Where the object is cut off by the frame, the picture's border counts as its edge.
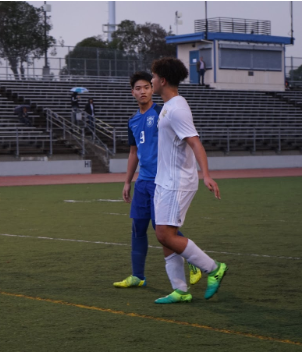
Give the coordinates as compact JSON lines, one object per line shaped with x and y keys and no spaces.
{"x":171,"y":206}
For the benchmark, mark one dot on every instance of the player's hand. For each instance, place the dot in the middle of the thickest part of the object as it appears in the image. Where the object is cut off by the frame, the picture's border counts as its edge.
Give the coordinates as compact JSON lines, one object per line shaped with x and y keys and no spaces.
{"x":126,"y":193}
{"x":212,"y":186}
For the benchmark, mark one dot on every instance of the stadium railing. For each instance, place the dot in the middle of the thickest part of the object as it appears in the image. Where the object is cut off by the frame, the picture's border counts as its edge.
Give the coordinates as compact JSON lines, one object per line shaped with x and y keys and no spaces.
{"x":14,"y":138}
{"x":82,"y":134}
{"x":253,"y":135}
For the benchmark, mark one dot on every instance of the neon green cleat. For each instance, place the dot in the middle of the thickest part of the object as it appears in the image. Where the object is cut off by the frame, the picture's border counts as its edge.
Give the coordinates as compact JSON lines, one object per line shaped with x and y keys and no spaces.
{"x":175,"y":297}
{"x":195,"y":274}
{"x":131,"y":281}
{"x":214,"y":280}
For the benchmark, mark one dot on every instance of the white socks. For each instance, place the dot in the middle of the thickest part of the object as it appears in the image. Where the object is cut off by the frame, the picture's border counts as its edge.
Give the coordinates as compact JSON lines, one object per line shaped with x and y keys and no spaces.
{"x":175,"y":265}
{"x":198,"y":258}
{"x":176,"y":272}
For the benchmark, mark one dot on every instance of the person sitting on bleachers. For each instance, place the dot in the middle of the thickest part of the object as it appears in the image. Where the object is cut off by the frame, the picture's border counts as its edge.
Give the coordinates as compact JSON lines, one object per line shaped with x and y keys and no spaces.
{"x":24,"y":118}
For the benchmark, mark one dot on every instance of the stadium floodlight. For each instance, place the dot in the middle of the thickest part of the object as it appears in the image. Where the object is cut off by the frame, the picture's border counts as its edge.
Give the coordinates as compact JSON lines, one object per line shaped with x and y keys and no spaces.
{"x":178,"y":15}
{"x":47,"y":7}
{"x":46,"y":69}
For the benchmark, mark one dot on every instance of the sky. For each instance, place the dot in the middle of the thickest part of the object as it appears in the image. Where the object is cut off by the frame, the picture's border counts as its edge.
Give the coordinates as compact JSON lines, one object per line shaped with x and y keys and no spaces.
{"x":75,"y":20}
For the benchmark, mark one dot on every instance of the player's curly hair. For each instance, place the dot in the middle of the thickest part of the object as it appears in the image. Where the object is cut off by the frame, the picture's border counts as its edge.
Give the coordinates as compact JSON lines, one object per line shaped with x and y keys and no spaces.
{"x":140,"y":75}
{"x":172,"y":69}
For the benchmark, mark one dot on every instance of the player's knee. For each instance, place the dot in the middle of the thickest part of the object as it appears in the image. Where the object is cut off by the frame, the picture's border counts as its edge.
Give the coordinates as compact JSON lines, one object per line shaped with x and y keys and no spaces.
{"x":161,"y":235}
{"x":139,"y":227}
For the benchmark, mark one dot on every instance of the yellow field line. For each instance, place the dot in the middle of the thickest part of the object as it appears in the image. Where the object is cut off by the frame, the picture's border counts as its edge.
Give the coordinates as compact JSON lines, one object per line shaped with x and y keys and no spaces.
{"x":183,"y":323}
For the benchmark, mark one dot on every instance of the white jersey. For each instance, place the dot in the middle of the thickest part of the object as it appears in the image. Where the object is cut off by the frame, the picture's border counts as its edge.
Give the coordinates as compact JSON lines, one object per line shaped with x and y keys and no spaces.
{"x":176,"y":164}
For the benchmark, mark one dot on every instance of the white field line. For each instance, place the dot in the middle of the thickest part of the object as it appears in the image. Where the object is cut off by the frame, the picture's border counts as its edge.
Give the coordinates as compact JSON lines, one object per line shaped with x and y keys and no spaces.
{"x":96,"y":200}
{"x":207,"y":218}
{"x":122,"y":214}
{"x":150,"y":246}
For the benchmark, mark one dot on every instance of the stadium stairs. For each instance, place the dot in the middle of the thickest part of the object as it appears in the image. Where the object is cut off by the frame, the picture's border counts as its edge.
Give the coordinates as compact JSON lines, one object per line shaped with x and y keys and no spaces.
{"x":227,"y":121}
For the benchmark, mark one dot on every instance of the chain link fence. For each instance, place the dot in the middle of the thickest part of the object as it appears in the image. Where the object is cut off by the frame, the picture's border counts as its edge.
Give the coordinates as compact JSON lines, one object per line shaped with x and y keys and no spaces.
{"x":293,"y":70}
{"x":65,"y":62}
{"x":68,"y":62}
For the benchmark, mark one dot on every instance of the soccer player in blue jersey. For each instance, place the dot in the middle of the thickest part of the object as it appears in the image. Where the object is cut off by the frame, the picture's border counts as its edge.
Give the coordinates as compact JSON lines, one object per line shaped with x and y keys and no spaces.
{"x":143,"y":139}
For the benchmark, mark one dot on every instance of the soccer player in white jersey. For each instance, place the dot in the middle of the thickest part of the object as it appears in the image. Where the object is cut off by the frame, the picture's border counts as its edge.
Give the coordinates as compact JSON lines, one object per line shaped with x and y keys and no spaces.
{"x":177,"y":182}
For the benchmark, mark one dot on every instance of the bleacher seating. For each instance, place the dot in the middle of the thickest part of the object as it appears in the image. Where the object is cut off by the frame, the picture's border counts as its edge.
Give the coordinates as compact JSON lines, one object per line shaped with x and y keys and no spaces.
{"x":17,"y":139}
{"x":226,"y":120}
{"x":293,"y":97}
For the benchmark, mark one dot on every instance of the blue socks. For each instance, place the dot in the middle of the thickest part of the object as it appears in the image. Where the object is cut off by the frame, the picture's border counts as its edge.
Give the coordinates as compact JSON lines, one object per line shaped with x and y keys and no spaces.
{"x":139,"y":247}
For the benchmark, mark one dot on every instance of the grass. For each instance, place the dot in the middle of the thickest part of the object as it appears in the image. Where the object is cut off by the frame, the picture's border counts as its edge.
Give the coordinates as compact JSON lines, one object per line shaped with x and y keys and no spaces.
{"x":255,"y":229}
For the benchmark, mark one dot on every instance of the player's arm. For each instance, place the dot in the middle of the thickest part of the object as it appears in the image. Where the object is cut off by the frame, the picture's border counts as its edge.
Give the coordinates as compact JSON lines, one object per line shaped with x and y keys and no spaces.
{"x":202,"y":160}
{"x":131,"y":168}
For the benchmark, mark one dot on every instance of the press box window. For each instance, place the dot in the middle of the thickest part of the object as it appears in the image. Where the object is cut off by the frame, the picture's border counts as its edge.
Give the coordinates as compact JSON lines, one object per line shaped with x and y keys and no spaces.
{"x":250,"y":57}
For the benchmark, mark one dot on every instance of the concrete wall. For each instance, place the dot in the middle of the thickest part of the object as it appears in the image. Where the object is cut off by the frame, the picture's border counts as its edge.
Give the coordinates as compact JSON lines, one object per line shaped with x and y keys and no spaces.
{"x":231,"y":163}
{"x":254,"y":162}
{"x":183,"y":54}
{"x":18,"y":168}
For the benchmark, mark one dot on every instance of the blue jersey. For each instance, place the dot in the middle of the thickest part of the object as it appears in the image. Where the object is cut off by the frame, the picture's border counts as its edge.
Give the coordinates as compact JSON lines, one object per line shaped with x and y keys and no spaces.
{"x":143,"y":133}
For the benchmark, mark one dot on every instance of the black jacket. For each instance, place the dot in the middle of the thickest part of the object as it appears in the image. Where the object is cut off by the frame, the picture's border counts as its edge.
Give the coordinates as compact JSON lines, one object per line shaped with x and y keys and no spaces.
{"x":198,"y":65}
{"x":75,"y":101}
{"x":88,"y":109}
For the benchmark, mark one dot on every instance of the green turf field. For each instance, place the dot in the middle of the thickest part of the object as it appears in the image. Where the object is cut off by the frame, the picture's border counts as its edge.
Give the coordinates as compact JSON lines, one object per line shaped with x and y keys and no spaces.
{"x":57,"y":295}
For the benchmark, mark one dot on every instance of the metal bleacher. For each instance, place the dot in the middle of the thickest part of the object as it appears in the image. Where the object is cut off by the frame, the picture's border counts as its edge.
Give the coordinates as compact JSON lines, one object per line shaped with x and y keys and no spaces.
{"x":18,"y":140}
{"x":15,"y":137}
{"x":226,"y":120}
{"x":293,"y":97}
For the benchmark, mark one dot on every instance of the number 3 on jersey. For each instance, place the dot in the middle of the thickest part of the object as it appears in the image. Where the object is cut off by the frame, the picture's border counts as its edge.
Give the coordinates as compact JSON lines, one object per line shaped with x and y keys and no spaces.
{"x":142,"y":137}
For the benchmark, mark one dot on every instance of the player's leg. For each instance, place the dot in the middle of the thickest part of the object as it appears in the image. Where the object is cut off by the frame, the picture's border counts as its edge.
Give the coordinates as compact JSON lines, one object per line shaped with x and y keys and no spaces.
{"x":195,"y":273}
{"x":139,"y":247}
{"x":138,"y":255}
{"x":176,"y":274}
{"x":140,"y":214}
{"x":175,"y":270}
{"x":170,"y":210}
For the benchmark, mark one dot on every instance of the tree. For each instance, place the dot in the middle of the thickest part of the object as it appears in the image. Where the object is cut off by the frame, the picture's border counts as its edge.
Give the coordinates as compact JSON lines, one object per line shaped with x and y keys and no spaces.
{"x":296,"y":75}
{"x":125,"y":37}
{"x":133,"y":47}
{"x":22,"y":34}
{"x":147,"y":39}
{"x":91,"y":57}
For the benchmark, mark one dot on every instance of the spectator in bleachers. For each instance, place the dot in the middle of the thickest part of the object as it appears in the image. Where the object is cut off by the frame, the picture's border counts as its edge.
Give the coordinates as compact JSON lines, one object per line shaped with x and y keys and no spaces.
{"x":90,"y":110}
{"x":201,"y":69}
{"x":24,"y":118}
{"x":75,"y":107}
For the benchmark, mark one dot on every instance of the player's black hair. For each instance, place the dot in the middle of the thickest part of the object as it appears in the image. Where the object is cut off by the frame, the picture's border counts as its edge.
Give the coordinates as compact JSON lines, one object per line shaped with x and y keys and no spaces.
{"x":172,"y":69}
{"x":140,"y":75}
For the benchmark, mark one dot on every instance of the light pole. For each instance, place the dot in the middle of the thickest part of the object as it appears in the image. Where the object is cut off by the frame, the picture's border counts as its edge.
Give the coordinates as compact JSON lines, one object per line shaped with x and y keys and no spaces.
{"x":178,"y":15}
{"x":291,"y":24}
{"x":111,"y":22}
{"x":206,"y":15}
{"x":46,"y":68}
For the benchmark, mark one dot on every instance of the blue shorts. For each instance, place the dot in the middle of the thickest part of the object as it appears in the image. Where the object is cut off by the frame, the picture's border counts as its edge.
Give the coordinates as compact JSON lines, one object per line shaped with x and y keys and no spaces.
{"x":142,"y":205}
